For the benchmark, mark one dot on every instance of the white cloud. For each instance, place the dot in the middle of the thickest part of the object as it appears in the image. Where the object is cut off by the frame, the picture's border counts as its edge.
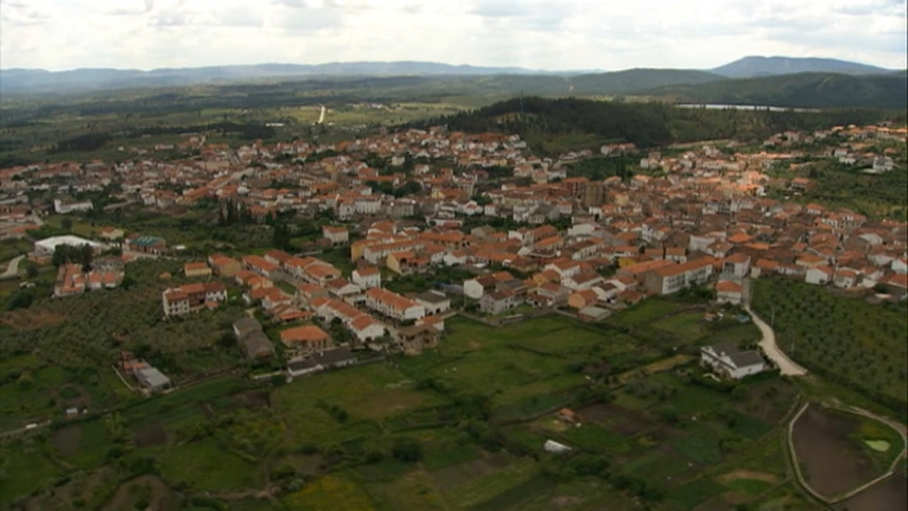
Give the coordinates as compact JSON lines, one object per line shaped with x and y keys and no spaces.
{"x":539,"y":34}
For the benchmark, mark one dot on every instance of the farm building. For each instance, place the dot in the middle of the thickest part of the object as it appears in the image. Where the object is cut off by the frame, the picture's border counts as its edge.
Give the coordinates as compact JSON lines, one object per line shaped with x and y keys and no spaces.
{"x":255,"y":343}
{"x":197,"y":269}
{"x":593,"y":314}
{"x":47,"y":246}
{"x":152,"y":379}
{"x":728,"y":360}
{"x":435,"y":302}
{"x":146,"y":244}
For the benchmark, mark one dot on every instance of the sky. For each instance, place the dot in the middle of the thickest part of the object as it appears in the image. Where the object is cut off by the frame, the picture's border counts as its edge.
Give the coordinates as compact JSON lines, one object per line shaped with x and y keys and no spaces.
{"x":535,"y":34}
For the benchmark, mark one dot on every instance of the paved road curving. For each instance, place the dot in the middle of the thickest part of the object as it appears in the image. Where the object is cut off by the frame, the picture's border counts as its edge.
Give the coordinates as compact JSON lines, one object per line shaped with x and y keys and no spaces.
{"x":787,"y":366}
{"x":12,"y":270}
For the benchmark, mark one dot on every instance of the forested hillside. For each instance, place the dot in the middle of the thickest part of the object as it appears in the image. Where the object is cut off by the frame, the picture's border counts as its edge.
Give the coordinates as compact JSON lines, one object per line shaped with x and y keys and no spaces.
{"x":807,"y":90}
{"x":644,"y":124}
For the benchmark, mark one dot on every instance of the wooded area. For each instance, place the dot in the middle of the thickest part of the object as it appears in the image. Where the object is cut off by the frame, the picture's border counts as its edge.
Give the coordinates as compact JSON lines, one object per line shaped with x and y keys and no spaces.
{"x":643,"y":124}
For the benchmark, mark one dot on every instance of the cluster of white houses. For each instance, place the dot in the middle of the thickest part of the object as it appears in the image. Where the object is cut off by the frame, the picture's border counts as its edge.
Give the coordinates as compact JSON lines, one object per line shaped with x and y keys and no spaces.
{"x":178,"y":301}
{"x":368,"y":311}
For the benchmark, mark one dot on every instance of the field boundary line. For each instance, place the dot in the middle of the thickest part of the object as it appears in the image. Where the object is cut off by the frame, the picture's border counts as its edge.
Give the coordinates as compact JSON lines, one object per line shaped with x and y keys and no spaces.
{"x":864,"y":413}
{"x":120,"y":376}
{"x":854,"y":491}
{"x":799,"y":477}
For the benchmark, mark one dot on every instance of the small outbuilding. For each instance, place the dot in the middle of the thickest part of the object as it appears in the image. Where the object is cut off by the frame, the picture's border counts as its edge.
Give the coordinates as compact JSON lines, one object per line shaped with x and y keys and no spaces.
{"x":152,"y":379}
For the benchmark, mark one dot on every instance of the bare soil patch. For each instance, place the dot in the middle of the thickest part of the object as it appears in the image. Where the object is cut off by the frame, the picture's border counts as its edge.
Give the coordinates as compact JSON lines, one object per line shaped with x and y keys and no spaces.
{"x":31,"y":319}
{"x":560,"y":502}
{"x":253,"y":399}
{"x":830,"y":462}
{"x":456,"y":474}
{"x":888,"y":495}
{"x":309,"y":464}
{"x":747,"y":474}
{"x":715,"y":504}
{"x":656,"y":367}
{"x":619,"y":419}
{"x":150,"y":435}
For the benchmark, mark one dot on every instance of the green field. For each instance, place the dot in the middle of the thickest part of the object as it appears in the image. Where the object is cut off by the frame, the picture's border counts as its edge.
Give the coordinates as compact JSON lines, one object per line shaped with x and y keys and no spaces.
{"x":853,"y":343}
{"x":475,"y":413}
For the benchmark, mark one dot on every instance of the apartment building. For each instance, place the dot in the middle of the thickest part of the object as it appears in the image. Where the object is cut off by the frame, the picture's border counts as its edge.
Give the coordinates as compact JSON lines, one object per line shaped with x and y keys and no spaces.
{"x":178,"y":301}
{"x":671,"y":279}
{"x":393,"y":305}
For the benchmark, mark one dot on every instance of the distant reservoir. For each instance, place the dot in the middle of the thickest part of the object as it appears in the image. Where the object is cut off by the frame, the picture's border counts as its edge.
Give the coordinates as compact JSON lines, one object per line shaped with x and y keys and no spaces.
{"x":714,"y":106}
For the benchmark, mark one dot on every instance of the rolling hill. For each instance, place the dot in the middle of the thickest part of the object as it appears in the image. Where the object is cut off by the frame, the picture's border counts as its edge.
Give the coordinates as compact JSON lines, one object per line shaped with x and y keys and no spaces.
{"x":805,"y":90}
{"x":267,"y":84}
{"x":507,"y":79}
{"x":563,"y":124}
{"x":80,"y":80}
{"x":754,"y":66}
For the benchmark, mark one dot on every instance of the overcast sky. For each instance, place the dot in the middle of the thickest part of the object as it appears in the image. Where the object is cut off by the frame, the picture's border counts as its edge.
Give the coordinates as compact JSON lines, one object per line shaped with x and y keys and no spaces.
{"x":537,"y":34}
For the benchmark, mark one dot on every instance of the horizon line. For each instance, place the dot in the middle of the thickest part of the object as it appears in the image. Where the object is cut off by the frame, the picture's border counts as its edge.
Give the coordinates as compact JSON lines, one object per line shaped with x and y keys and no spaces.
{"x":515,"y":68}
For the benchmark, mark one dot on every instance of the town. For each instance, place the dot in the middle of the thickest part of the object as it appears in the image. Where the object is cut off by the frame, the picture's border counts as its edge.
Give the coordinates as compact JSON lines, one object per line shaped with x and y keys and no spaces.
{"x":345,"y":255}
{"x":574,"y":244}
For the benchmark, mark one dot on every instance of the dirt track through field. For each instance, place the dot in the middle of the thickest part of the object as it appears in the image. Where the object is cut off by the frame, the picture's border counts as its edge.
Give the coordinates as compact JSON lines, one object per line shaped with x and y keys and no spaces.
{"x":786,"y":366}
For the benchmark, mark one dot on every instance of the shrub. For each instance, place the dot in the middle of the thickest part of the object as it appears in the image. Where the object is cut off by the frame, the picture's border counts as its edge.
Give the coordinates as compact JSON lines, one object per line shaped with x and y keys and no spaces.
{"x":407,"y":449}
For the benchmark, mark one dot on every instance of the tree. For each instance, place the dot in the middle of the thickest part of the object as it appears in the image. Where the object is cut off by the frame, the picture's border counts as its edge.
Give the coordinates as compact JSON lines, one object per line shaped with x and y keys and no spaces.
{"x":31,"y":270}
{"x":86,"y":254}
{"x":21,"y":300}
{"x":67,"y":225}
{"x":25,"y":380}
{"x":281,"y":235}
{"x":407,"y":449}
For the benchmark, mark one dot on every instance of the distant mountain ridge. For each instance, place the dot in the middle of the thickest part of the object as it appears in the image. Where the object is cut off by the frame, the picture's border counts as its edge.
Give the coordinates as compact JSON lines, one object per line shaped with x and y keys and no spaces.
{"x":848,"y":85}
{"x":19,"y":79}
{"x":88,"y":79}
{"x":754,"y":66}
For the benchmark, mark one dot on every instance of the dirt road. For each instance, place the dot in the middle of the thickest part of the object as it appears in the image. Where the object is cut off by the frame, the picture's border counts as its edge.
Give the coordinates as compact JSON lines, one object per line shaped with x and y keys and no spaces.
{"x":787,"y":366}
{"x":12,"y":270}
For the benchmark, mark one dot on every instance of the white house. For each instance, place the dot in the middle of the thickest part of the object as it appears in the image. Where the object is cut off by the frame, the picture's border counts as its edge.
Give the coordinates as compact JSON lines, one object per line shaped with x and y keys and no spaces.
{"x":820,"y":275}
{"x":564,"y":269}
{"x":583,"y":280}
{"x":367,"y":205}
{"x":475,"y":288}
{"x":882,"y":164}
{"x":727,"y":360}
{"x":845,"y":279}
{"x":435,"y":302}
{"x":455,"y":258}
{"x":728,"y":291}
{"x":737,"y":265}
{"x":582,"y":230}
{"x":336,"y":235}
{"x":61,"y":208}
{"x":344,"y":289}
{"x":367,"y":277}
{"x":366,"y":328}
{"x":393,"y":305}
